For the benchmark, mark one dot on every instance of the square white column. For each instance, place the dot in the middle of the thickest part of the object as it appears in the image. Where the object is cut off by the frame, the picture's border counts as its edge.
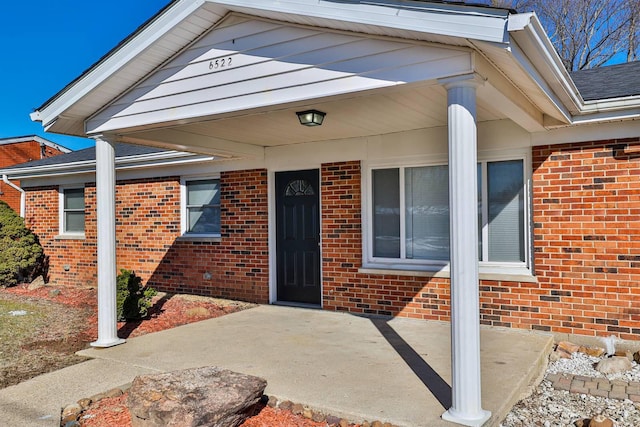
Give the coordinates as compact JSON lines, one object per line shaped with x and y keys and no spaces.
{"x":106,"y":224}
{"x":466,"y":406}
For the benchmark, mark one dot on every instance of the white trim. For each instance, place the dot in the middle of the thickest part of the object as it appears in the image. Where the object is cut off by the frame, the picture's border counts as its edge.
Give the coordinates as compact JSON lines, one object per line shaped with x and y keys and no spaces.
{"x":110,"y":65}
{"x":62,"y":233}
{"x":184,"y":235}
{"x":23,"y":196}
{"x":34,"y":138}
{"x":143,"y":161}
{"x":429,"y":266}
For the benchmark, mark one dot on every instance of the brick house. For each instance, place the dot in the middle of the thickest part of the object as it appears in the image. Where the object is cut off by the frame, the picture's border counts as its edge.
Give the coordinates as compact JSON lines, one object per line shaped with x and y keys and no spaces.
{"x":18,"y":150}
{"x":418,"y":159}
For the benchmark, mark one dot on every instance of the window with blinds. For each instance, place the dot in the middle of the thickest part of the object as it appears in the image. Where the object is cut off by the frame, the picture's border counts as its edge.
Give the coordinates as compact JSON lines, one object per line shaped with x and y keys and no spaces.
{"x":410,"y":212}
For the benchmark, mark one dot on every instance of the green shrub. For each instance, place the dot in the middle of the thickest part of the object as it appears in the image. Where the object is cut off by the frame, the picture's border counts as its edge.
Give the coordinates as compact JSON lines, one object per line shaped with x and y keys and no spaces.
{"x":132,"y":300}
{"x":21,"y":255}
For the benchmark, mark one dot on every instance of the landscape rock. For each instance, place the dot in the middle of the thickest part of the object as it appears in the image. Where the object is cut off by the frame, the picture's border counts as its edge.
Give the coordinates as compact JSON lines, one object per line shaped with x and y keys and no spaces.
{"x":207,"y":396}
{"x":37,"y":283}
{"x":592,"y":351}
{"x":613,"y":365}
{"x":71,"y":413}
{"x":566,"y":348}
{"x":636,"y":357}
{"x":625,"y":353}
{"x":297,"y":409}
{"x":85,"y":403}
{"x":600,"y":421}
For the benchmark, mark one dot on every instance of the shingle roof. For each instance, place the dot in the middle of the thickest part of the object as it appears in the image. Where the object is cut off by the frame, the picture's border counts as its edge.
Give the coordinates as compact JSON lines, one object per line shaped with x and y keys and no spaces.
{"x":89,"y":154}
{"x":613,"y":81}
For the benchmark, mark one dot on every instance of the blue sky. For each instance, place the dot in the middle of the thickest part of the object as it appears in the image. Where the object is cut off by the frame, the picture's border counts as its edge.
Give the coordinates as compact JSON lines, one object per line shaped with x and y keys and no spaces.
{"x":46,"y":44}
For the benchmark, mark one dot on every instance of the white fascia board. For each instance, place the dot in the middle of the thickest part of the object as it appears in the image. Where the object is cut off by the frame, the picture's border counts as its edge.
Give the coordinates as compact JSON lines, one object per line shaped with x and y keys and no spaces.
{"x":535,"y":52}
{"x":144,"y":161}
{"x":479,"y":23}
{"x":36,"y":138}
{"x":114,"y":62}
{"x":529,"y":36}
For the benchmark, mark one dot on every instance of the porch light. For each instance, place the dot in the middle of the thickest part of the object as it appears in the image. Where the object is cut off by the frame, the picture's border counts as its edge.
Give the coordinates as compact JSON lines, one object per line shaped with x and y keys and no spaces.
{"x":311,"y":117}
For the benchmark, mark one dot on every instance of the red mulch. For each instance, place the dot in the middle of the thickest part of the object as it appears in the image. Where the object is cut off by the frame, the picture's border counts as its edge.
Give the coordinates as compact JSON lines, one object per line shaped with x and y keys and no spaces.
{"x":113,"y":411}
{"x":167,"y":312}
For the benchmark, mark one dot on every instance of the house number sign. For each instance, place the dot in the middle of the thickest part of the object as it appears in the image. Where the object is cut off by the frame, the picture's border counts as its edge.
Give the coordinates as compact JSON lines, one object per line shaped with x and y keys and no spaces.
{"x":220,"y":63}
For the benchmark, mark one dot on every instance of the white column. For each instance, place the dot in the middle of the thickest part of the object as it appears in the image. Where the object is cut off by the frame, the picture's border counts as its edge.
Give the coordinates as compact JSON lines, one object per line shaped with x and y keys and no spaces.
{"x":106,"y":224}
{"x":466,"y":406}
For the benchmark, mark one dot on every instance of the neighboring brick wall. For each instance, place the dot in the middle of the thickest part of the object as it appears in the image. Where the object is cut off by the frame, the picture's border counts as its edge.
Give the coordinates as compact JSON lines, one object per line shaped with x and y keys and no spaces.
{"x":16,"y":153}
{"x":147,"y":232}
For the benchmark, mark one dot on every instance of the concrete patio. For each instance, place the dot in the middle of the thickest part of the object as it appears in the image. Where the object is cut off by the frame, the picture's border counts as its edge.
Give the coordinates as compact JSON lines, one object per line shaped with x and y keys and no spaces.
{"x":392,"y":370}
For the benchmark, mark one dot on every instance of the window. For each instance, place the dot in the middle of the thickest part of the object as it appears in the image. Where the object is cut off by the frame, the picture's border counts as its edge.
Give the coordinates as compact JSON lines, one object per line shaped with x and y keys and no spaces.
{"x":72,"y":208}
{"x":201,"y":212}
{"x":410,"y":214}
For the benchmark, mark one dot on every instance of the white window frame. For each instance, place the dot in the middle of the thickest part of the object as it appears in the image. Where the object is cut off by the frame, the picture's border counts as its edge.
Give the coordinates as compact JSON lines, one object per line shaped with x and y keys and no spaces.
{"x":62,"y":226}
{"x":369,"y":262}
{"x":184,"y":220}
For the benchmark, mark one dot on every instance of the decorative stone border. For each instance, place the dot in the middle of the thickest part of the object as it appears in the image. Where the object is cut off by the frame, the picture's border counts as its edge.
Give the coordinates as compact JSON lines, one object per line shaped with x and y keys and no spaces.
{"x":71,"y":414}
{"x":615,"y":389}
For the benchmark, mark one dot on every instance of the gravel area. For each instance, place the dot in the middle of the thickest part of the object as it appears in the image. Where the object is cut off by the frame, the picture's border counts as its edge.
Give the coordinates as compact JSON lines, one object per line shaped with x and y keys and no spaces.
{"x":581,"y":364}
{"x":549,"y":407}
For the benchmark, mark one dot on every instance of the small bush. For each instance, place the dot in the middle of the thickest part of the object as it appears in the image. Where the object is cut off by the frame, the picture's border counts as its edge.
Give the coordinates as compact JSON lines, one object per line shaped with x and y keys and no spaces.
{"x":132,"y":300}
{"x":21,"y":255}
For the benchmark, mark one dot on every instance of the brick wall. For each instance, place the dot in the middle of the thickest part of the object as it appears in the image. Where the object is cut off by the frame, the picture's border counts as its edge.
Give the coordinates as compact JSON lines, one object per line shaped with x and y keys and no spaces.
{"x":586,"y":241}
{"x":13,"y":154}
{"x":586,"y":231}
{"x":148,"y":231}
{"x":586,"y":213}
{"x":344,"y":288}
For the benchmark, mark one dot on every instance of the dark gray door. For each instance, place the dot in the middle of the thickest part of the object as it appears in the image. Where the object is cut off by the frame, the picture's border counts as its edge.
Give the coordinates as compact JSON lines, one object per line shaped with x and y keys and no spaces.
{"x":298,"y":236}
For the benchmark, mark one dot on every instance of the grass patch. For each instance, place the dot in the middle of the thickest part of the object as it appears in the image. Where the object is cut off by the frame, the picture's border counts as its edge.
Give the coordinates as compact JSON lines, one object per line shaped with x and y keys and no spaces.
{"x":45,"y":338}
{"x":17,"y":330}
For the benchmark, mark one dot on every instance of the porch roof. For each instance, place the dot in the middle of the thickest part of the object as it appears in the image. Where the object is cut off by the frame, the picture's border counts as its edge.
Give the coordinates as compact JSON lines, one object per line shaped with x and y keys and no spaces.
{"x":527,"y":82}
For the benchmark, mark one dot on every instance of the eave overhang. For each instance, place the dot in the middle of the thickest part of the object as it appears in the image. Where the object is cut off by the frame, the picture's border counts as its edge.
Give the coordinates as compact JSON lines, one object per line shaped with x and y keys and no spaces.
{"x":529,"y":60}
{"x":143,"y":161}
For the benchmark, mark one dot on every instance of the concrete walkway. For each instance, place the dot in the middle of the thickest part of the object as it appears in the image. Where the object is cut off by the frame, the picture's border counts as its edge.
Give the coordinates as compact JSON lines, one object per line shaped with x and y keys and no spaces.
{"x":354,"y":367}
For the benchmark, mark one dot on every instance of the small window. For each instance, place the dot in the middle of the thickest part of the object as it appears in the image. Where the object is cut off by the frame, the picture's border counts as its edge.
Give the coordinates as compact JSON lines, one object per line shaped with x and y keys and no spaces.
{"x":72,"y":208}
{"x":202,"y":207}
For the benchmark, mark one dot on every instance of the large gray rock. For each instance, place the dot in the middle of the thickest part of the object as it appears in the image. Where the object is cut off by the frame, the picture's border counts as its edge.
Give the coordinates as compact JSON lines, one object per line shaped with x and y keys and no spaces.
{"x":207,"y":396}
{"x":613,"y":365}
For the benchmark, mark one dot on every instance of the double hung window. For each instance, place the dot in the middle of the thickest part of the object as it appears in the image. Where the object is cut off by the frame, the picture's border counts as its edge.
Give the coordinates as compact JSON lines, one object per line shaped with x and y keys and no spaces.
{"x":410,"y":214}
{"x":72,"y":211}
{"x":201,"y":207}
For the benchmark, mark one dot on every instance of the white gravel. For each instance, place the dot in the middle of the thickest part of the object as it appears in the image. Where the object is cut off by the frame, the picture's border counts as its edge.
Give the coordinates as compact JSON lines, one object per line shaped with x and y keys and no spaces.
{"x":556,"y":408}
{"x":581,"y":364}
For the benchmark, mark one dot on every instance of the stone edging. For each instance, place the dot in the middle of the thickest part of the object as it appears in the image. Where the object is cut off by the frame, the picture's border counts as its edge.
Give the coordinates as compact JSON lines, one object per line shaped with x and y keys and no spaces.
{"x":72,"y":413}
{"x":614,"y":389}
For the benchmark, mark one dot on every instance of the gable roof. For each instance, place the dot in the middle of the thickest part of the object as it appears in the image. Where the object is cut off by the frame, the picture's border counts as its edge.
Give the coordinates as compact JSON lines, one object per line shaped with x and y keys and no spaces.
{"x":84,"y":161}
{"x":515,"y":44}
{"x":88,"y":154}
{"x":32,"y":138}
{"x":613,"y":81}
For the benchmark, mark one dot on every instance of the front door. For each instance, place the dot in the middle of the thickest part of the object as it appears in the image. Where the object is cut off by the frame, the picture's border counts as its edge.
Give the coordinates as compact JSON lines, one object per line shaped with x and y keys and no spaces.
{"x":298,"y":236}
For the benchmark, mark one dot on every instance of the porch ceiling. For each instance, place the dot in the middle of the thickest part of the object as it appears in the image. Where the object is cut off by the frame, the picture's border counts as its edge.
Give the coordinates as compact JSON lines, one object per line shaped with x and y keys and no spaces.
{"x":359,"y":115}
